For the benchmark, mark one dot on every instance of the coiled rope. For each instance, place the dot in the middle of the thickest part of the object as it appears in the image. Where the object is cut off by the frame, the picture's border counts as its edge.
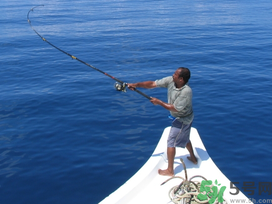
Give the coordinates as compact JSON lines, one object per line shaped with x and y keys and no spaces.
{"x":120,"y":86}
{"x":187,"y":191}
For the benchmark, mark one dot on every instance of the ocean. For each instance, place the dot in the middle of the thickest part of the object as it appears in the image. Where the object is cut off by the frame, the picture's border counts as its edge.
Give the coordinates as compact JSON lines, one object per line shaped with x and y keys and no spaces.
{"x":67,"y":136}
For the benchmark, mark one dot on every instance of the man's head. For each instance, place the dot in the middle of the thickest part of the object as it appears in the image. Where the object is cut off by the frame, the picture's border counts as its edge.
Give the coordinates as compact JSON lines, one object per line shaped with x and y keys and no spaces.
{"x":181,"y":76}
{"x":184,"y":73}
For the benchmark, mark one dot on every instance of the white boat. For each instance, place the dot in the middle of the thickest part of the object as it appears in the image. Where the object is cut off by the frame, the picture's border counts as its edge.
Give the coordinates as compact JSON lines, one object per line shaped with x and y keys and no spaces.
{"x":145,"y":186}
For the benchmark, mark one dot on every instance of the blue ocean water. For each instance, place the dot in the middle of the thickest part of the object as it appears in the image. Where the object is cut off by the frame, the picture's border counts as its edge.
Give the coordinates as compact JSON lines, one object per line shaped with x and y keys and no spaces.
{"x":67,"y":136}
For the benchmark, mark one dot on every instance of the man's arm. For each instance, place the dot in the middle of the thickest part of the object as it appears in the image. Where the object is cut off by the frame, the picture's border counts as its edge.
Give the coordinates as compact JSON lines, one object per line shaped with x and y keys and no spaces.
{"x":167,"y":106}
{"x":155,"y":101}
{"x":145,"y":84}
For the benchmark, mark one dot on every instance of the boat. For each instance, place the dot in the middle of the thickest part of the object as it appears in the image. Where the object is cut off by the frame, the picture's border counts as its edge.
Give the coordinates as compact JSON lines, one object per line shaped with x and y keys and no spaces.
{"x":190,"y":180}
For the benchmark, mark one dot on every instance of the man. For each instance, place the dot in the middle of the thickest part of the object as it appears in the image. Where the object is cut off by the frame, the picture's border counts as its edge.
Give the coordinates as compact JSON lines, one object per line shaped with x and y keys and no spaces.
{"x":180,"y":106}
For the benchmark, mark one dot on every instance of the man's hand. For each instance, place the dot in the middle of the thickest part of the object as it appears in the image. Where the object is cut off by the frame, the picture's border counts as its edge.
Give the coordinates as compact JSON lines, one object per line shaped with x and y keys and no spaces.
{"x":167,"y":106}
{"x":155,"y":101}
{"x":131,"y":86}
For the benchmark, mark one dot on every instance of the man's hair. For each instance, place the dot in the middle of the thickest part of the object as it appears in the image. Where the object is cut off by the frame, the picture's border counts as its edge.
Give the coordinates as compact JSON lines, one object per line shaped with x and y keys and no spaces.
{"x":184,"y":73}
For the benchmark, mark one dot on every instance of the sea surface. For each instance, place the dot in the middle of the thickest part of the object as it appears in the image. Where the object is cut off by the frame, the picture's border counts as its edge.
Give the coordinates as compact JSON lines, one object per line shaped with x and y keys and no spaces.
{"x":67,"y":136}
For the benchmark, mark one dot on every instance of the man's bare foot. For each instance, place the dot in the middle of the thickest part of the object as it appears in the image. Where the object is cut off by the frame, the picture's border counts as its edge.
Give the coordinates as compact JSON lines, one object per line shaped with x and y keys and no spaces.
{"x":165,"y":172}
{"x":192,"y":160}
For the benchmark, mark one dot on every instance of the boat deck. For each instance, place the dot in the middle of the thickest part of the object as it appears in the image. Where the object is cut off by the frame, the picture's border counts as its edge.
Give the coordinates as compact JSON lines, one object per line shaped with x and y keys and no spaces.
{"x":145,"y":186}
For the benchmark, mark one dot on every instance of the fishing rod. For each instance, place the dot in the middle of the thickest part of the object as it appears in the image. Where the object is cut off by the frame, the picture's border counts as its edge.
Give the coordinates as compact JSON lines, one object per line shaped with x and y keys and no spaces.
{"x":119,"y":85}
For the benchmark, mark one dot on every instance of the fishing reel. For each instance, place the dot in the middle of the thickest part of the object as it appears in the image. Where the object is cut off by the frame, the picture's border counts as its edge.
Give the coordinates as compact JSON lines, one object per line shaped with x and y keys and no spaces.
{"x":120,"y":87}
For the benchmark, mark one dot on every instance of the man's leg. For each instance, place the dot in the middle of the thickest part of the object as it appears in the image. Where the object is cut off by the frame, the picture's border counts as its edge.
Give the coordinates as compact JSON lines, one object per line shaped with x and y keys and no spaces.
{"x":192,"y":157}
{"x":171,"y":152}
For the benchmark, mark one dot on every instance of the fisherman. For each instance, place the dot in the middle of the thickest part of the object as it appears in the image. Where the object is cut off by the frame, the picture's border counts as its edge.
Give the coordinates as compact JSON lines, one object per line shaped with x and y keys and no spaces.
{"x":180,"y":107}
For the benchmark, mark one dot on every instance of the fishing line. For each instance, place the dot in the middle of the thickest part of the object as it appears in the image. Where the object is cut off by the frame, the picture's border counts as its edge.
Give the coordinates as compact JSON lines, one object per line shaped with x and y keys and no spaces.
{"x":119,"y":85}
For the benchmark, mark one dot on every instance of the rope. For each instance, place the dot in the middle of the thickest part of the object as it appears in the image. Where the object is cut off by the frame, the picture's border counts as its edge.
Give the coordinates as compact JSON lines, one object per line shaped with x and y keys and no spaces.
{"x":119,"y":87}
{"x":187,"y":191}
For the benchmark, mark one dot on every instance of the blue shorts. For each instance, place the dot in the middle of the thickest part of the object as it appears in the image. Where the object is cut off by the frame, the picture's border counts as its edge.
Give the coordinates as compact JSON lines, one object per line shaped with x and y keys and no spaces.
{"x":179,"y":134}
